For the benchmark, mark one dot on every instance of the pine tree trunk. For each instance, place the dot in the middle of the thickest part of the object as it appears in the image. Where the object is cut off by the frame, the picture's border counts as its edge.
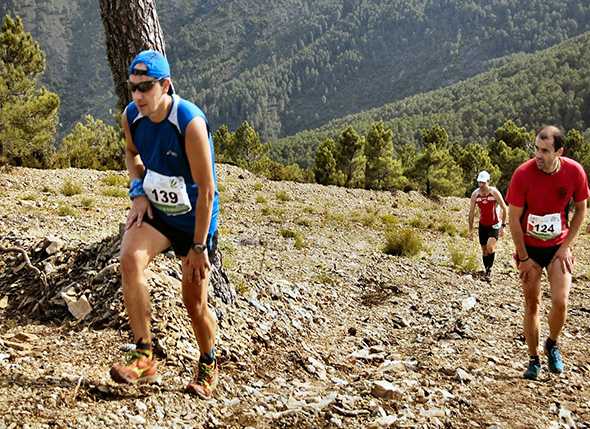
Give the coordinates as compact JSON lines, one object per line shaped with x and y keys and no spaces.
{"x":130,"y":26}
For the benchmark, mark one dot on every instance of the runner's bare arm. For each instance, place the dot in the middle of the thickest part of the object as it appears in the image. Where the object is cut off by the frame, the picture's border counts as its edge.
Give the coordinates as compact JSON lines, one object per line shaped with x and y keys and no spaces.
{"x":503,"y":206}
{"x":525,"y":264}
{"x":576,"y":223}
{"x":472,"y":210}
{"x":199,"y":158}
{"x":136,"y":170}
{"x":135,"y":167}
{"x":514,"y":215}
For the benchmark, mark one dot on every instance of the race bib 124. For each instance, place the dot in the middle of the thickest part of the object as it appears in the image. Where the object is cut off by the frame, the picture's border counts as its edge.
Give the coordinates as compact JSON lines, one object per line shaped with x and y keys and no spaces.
{"x":544,"y":227}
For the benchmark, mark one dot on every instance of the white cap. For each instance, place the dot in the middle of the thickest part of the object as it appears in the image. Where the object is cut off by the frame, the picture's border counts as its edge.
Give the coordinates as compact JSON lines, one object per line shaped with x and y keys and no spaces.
{"x":483,"y":176}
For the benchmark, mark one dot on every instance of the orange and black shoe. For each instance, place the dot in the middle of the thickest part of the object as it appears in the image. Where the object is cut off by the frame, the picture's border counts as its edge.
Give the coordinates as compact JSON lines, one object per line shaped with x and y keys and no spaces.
{"x":140,"y":368}
{"x":205,"y":381}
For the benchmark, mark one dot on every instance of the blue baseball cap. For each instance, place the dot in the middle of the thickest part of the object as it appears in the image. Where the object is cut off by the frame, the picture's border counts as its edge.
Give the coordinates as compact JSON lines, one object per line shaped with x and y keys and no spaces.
{"x":156,"y":64}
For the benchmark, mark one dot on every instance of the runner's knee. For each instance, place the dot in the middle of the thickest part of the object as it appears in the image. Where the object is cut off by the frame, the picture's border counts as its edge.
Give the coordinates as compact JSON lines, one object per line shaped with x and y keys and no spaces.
{"x":132,"y":262}
{"x":559,"y":304}
{"x":532,"y":299}
{"x":194,"y":299}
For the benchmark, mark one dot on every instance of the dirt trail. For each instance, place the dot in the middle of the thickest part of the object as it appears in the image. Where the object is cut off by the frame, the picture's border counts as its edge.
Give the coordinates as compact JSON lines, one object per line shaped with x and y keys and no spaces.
{"x":327,"y":331}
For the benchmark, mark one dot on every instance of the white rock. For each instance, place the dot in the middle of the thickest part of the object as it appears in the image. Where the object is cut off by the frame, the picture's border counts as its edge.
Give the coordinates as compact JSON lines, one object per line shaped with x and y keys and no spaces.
{"x":141,"y":406}
{"x":136,"y":420}
{"x":463,"y":376}
{"x":80,"y":308}
{"x":392,"y":366}
{"x":48,"y":268}
{"x":54,"y":245}
{"x":385,"y":389}
{"x":469,"y":303}
{"x":566,"y":418}
{"x":382,"y":422}
{"x":433,"y":412}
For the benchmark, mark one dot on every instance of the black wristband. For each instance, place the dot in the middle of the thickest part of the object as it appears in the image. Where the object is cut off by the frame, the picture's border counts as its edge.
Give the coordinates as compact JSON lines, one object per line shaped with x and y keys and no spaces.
{"x":524,"y":260}
{"x":198,"y":247}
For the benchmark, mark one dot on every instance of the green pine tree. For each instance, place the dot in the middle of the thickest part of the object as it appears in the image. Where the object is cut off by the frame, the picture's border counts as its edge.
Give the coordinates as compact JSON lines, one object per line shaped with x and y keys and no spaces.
{"x":93,"y":145}
{"x":247,"y":149}
{"x":578,"y":147}
{"x":349,"y":147}
{"x":436,"y":135}
{"x":324,"y":168}
{"x":383,"y":170}
{"x":435,"y":170}
{"x":472,"y":159}
{"x":28,"y":114}
{"x":223,"y":141}
{"x":358,"y":166}
{"x":515,"y":136}
{"x":437,"y":173}
{"x":507,"y":159}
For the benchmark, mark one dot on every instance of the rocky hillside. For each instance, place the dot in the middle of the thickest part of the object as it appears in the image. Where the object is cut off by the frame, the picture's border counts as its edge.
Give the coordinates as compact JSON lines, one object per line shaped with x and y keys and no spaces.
{"x":326,"y":330}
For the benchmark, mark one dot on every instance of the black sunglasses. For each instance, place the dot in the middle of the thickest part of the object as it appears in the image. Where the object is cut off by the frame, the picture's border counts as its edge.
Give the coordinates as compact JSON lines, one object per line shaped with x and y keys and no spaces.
{"x":144,"y":86}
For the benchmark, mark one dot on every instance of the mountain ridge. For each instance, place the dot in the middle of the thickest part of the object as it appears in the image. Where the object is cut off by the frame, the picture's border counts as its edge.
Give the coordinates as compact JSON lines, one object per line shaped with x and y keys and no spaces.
{"x":549,"y":86}
{"x":293,"y":64}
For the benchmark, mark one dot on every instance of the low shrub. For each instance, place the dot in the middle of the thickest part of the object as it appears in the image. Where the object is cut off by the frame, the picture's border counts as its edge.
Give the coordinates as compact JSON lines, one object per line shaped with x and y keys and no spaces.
{"x":69,"y":188}
{"x":402,"y":242}
{"x":462,"y":259}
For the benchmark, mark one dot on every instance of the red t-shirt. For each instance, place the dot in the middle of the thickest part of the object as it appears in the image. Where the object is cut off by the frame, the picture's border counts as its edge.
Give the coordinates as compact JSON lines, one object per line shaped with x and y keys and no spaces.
{"x":488,"y":214}
{"x":545,"y":198}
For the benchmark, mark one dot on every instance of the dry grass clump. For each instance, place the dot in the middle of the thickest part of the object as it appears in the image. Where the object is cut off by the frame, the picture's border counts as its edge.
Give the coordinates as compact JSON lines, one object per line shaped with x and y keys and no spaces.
{"x":462,"y":259}
{"x":447,"y":226}
{"x":66,"y":210}
{"x":69,"y":188}
{"x":87,"y":202}
{"x":403,"y":242}
{"x":112,"y":179}
{"x":367,"y":218}
{"x":389,"y":220}
{"x":296,"y":235}
{"x":283,"y":196}
{"x":115,"y":192}
{"x":29,"y":197}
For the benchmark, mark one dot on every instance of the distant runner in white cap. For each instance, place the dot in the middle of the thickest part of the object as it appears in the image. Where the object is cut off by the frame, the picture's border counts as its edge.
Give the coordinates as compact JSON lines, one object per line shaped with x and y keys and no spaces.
{"x":491,"y":227}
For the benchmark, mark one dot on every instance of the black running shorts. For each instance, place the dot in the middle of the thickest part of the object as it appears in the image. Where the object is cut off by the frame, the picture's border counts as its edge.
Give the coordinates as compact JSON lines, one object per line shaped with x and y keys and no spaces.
{"x":486,"y":232}
{"x":542,"y":255}
{"x":181,"y":241}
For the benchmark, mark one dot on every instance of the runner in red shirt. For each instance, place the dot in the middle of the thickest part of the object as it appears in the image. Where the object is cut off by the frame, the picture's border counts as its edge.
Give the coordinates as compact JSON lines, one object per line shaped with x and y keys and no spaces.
{"x":540,"y":196}
{"x":487,"y":199}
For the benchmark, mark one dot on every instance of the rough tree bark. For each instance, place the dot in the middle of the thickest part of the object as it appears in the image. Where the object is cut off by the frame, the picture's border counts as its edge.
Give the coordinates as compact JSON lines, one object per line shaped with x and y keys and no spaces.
{"x":130,"y":26}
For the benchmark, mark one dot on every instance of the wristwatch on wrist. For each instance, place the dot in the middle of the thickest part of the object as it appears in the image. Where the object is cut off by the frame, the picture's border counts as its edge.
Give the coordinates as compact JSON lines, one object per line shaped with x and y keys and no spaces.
{"x":198,"y":247}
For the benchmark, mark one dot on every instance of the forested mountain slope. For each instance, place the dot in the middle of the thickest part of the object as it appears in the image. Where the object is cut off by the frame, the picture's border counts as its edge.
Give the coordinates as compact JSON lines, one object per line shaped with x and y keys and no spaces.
{"x":551,"y":86}
{"x":288,"y":65}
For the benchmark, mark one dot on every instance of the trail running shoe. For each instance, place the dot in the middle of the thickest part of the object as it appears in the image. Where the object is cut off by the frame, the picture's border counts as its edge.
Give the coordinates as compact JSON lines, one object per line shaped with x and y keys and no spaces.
{"x":205,"y":382}
{"x":532,"y":372}
{"x":140,"y":368}
{"x":554,"y":359}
